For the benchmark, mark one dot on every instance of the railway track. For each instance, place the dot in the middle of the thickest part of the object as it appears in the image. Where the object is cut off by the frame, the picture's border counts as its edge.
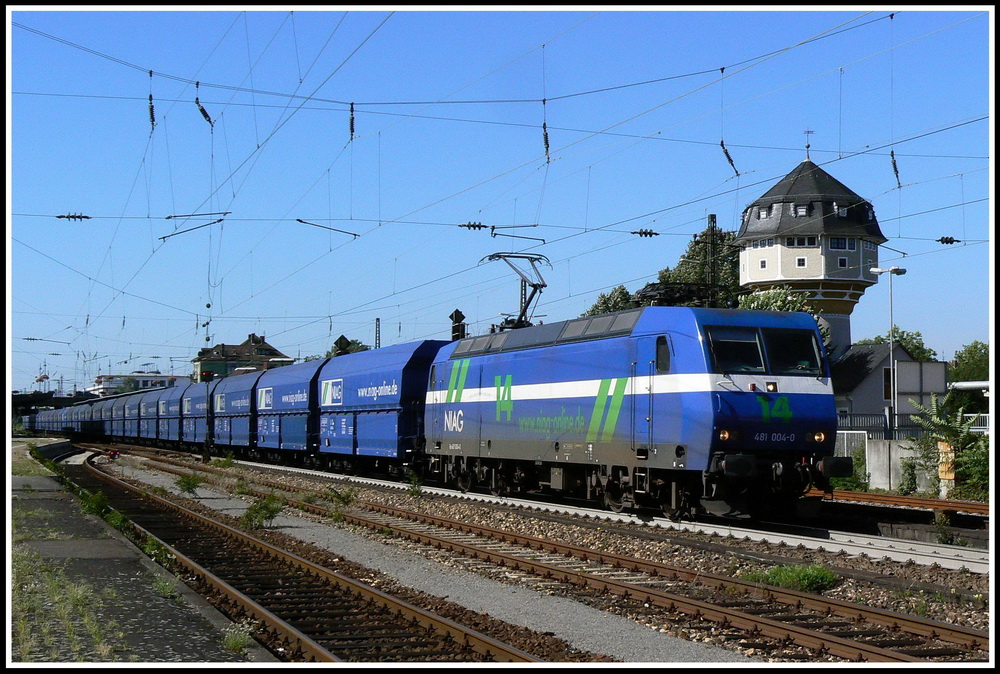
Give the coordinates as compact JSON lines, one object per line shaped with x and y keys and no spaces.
{"x":956,"y":557}
{"x":894,"y":500}
{"x":303,"y":612}
{"x":780,"y":617}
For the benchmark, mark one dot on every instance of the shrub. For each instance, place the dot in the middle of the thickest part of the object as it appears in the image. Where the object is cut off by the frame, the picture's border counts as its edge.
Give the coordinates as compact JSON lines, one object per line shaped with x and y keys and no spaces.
{"x":972,"y":471}
{"x":188,"y":484}
{"x":262,"y":512}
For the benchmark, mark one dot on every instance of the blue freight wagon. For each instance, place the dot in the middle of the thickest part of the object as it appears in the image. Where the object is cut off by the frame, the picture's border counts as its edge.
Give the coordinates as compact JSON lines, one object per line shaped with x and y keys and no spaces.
{"x":149,"y":415}
{"x":371,"y":403}
{"x":234,"y":406}
{"x":287,"y":408}
{"x":169,"y":414}
{"x":196,"y":413}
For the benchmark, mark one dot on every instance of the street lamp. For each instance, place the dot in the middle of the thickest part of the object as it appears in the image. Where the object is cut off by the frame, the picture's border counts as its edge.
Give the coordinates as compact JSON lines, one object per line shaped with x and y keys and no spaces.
{"x":892,"y":271}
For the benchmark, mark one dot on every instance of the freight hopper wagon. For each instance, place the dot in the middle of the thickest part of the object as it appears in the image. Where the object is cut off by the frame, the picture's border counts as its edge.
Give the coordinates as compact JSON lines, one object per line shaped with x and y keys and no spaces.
{"x":722,"y":410}
{"x":356,"y":412}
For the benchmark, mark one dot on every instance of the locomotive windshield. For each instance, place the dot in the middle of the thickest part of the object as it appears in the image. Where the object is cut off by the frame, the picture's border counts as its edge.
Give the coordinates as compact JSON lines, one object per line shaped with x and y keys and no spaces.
{"x":763,"y":350}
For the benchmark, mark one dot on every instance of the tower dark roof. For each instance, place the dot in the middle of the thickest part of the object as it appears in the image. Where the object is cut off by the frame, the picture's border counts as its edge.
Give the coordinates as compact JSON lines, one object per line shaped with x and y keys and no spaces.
{"x":823,"y":196}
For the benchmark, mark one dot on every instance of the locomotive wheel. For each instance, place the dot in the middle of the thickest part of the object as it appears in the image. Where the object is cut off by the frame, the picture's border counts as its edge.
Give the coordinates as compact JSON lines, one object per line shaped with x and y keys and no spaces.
{"x":613,"y":498}
{"x":464,"y":481}
{"x":682,"y":511}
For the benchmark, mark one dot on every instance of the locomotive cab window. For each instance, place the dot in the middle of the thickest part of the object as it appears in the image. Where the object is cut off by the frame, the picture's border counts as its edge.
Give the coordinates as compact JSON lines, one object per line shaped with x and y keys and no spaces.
{"x":662,"y":355}
{"x":735,"y":349}
{"x":792,"y":352}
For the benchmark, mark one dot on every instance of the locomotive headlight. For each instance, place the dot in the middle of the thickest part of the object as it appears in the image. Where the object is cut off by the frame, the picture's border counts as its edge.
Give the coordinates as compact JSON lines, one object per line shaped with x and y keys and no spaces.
{"x":819,"y":436}
{"x":724,"y":435}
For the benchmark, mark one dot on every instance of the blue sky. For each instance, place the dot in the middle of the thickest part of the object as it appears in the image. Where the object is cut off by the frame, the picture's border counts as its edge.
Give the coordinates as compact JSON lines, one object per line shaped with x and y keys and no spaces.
{"x":449,"y":108}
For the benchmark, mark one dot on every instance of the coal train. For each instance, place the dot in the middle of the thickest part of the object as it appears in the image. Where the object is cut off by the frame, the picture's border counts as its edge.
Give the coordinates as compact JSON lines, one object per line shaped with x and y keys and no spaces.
{"x":689,"y":410}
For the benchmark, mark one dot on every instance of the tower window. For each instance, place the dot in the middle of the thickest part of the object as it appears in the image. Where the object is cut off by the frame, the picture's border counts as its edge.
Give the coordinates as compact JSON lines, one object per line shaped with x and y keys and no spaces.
{"x":838,"y":243}
{"x":800,"y":241}
{"x":801,"y":210}
{"x":842,"y":262}
{"x":763,"y":212}
{"x":800,"y":262}
{"x":763,"y":264}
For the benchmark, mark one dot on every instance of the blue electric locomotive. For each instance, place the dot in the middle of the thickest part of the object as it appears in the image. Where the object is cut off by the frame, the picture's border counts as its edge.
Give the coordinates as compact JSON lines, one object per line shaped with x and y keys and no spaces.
{"x":663,"y":406}
{"x":683,"y":409}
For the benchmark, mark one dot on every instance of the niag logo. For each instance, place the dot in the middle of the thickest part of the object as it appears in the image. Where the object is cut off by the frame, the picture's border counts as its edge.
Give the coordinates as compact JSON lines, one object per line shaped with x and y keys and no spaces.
{"x":333,"y":392}
{"x":265,"y":398}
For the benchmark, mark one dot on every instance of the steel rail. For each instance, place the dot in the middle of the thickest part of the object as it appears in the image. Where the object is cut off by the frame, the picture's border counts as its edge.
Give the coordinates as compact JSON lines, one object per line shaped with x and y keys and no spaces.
{"x":794,"y":598}
{"x":480,"y":643}
{"x":299,"y":644}
{"x":947,"y":505}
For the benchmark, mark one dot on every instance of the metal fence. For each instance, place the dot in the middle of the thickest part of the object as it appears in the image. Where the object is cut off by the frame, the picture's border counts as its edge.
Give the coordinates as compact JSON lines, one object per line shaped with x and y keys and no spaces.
{"x":877,"y":425}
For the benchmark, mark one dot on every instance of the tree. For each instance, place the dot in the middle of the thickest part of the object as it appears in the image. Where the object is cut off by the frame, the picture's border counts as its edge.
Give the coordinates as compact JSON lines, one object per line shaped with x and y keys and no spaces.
{"x":354,"y":346}
{"x":712,"y":261}
{"x":708,"y":274}
{"x":972,"y":363}
{"x":617,"y":299}
{"x":913,"y":342}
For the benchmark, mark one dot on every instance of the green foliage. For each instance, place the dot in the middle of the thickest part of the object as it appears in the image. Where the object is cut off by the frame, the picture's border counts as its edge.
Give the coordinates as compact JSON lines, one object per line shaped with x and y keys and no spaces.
{"x":117,"y":520}
{"x":972,"y":471}
{"x":188,"y":484}
{"x":908,"y":481}
{"x":860,"y":480}
{"x":95,"y":504}
{"x":924,"y":461}
{"x":972,"y":363}
{"x":813,"y":578}
{"x":950,"y":427}
{"x":342,"y":498}
{"x":912,"y":342}
{"x":687,"y":285}
{"x":617,"y":299}
{"x":156,"y":551}
{"x":416,"y":487}
{"x":226,"y":462}
{"x":262,"y":512}
{"x":237,"y":637}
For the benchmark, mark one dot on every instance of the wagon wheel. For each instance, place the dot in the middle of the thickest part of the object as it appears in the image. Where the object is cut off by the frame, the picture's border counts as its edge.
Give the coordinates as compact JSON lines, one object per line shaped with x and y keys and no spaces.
{"x":499,"y":486}
{"x":613,"y":497}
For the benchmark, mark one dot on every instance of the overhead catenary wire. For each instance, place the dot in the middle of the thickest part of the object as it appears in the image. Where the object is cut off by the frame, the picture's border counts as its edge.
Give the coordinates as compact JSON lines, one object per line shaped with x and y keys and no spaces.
{"x":612,"y":230}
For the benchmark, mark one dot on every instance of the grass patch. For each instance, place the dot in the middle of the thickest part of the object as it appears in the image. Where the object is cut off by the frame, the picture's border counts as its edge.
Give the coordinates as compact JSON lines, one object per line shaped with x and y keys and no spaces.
{"x":813,"y":578}
{"x":237,"y":637}
{"x":54,"y":618}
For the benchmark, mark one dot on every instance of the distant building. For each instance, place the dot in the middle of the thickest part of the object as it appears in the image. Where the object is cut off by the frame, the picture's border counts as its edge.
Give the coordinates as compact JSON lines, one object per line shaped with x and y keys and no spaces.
{"x":106,"y":384}
{"x":861,"y":380}
{"x":224,"y":359}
